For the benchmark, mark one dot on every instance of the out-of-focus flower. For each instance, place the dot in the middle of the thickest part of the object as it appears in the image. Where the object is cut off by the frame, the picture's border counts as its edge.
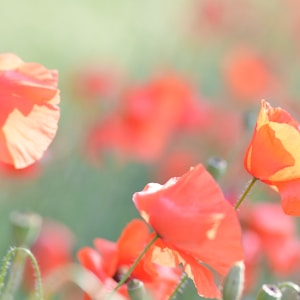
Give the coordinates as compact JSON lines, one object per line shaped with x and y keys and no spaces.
{"x":210,"y":13}
{"x":253,"y":254}
{"x":196,"y":225}
{"x":148,"y":118}
{"x":175,"y":163}
{"x":273,"y":155}
{"x":95,"y":82}
{"x":52,"y":250}
{"x":110,"y":261}
{"x":278,"y":238}
{"x":29,"y":110}
{"x":247,"y":75}
{"x":269,"y":233}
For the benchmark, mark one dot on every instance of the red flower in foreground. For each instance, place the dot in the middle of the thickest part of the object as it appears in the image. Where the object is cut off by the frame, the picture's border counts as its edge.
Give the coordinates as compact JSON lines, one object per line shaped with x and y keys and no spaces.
{"x":110,"y":261}
{"x":28,"y":110}
{"x":273,"y":155}
{"x":196,"y":225}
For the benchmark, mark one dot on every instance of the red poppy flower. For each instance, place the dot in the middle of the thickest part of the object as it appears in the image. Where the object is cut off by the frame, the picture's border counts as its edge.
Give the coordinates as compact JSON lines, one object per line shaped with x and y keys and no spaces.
{"x":279,"y":239}
{"x":110,"y":261}
{"x":28,"y":110}
{"x":148,"y":118}
{"x":196,"y":225}
{"x":273,"y":155}
{"x":276,"y":242}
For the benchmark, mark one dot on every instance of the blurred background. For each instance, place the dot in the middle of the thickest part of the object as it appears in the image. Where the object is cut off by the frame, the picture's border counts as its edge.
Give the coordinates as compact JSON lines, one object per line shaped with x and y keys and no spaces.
{"x":148,"y":89}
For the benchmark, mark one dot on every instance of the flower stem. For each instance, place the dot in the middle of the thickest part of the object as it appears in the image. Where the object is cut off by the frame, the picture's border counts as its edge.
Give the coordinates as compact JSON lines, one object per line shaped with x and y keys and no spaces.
{"x":179,"y":286}
{"x":127,"y":275}
{"x":245,"y":193}
{"x":16,"y":272}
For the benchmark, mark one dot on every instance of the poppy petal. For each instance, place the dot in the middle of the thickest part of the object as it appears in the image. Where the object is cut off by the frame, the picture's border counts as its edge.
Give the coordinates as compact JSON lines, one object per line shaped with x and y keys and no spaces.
{"x":290,"y":196}
{"x":108,"y":252}
{"x":29,"y":112}
{"x":24,"y":139}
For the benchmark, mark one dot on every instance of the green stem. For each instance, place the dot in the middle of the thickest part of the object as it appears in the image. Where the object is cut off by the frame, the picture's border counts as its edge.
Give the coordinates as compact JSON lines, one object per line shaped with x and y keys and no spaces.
{"x":127,"y":275}
{"x":16,"y":272}
{"x":179,"y":286}
{"x":247,"y":190}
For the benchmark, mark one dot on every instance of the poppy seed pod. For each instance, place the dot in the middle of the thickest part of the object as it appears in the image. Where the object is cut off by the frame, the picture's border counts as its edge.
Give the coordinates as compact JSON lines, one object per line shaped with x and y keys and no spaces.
{"x":269,"y":292}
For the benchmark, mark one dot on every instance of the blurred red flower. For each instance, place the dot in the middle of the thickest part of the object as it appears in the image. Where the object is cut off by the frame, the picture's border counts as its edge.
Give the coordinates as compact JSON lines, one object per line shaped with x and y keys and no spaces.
{"x":148,"y":117}
{"x":29,"y":114}
{"x":196,"y":225}
{"x":273,"y":155}
{"x":52,"y":250}
{"x":110,"y":261}
{"x":247,"y":75}
{"x":95,"y":81}
{"x":175,"y":163}
{"x":272,"y":234}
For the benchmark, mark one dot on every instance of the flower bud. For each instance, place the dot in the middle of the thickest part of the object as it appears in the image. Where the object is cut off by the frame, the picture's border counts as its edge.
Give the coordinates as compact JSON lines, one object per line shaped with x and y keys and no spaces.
{"x":25,"y":228}
{"x":136,"y":290}
{"x":269,"y":292}
{"x":234,"y":282}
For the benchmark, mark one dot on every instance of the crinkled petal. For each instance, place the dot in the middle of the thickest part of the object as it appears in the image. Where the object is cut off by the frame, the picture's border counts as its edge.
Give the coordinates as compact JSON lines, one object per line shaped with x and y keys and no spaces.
{"x":162,"y":255}
{"x":201,"y":276}
{"x":25,"y":138}
{"x":29,"y":113}
{"x":192,"y":216}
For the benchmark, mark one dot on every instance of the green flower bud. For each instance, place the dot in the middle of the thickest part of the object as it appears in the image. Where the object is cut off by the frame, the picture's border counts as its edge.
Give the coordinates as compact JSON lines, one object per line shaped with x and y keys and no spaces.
{"x":25,"y":228}
{"x":234,"y":282}
{"x":136,"y":290}
{"x":269,"y":292}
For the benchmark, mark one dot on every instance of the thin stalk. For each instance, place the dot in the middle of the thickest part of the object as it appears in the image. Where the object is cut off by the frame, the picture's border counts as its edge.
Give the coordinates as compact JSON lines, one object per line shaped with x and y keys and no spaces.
{"x":16,"y":272}
{"x":245,"y":193}
{"x":127,"y":275}
{"x":179,"y":286}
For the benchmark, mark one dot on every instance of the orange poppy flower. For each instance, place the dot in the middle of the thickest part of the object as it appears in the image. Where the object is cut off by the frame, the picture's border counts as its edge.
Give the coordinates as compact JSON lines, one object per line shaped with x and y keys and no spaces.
{"x":196,"y":225}
{"x":28,"y":110}
{"x":110,"y":261}
{"x":273,"y":155}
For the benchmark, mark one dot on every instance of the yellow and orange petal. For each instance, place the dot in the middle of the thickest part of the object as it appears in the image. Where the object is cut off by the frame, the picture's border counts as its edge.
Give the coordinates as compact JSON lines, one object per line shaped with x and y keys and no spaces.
{"x":193,"y":219}
{"x":29,"y":114}
{"x":273,"y":154}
